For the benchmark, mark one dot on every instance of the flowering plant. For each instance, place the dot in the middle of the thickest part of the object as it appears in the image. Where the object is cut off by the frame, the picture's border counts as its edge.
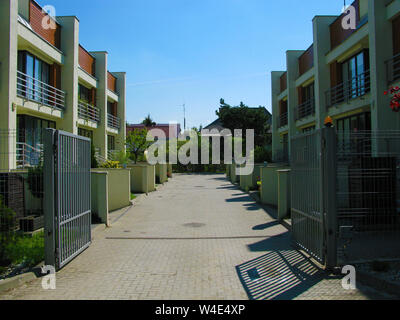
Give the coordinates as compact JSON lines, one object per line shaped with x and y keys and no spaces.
{"x":395,"y":102}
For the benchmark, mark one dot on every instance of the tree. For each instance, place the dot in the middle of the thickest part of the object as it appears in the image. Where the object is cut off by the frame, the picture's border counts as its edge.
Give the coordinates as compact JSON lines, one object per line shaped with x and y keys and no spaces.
{"x":148,"y":122}
{"x":242,"y":117}
{"x":137,"y":144}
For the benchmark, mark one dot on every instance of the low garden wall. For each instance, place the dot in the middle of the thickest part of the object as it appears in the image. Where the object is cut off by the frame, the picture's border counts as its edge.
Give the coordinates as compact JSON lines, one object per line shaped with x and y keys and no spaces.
{"x":119,"y":188}
{"x":99,"y":181}
{"x":161,"y":173}
{"x":142,"y":178}
{"x":249,"y":181}
{"x":269,"y":183}
{"x":234,"y":177}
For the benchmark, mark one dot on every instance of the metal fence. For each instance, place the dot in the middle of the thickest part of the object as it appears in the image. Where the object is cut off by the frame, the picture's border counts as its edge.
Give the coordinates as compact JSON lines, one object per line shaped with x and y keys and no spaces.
{"x":21,"y":178}
{"x":67,"y":196}
{"x":368,"y":195}
{"x":346,"y":195}
{"x":307,"y":211}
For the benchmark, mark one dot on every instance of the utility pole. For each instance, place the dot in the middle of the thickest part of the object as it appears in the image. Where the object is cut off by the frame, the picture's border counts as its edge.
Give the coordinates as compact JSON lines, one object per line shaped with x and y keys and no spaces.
{"x":184,"y":117}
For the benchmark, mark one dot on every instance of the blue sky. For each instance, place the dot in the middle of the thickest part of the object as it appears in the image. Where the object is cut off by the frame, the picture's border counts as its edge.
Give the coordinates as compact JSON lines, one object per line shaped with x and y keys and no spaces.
{"x":194,"y":51}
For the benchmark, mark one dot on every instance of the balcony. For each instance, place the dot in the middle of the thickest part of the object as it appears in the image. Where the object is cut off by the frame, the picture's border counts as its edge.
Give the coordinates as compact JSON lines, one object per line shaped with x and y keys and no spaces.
{"x":283,"y":120}
{"x":113,"y":122}
{"x":393,"y":69}
{"x":28,"y":156}
{"x":88,"y":112}
{"x":348,"y":90}
{"x":305,"y":109}
{"x":35,"y":90}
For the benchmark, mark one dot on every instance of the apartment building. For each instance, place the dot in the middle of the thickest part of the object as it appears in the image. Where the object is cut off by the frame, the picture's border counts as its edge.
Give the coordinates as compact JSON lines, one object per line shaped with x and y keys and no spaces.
{"x":343,"y":74}
{"x":49,"y":80}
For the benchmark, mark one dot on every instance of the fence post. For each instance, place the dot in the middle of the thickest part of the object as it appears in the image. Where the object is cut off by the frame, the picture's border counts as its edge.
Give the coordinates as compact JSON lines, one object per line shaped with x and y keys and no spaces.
{"x":329,"y":165}
{"x":49,"y":195}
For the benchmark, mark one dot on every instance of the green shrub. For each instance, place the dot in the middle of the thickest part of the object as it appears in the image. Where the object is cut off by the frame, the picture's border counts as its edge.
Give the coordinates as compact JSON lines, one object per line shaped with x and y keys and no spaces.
{"x":26,"y":250}
{"x":109,"y":164}
{"x":7,"y":229}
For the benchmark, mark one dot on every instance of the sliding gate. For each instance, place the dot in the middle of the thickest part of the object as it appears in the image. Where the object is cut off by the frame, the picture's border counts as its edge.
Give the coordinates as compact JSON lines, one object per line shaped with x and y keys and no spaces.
{"x":67,"y":198}
{"x":313,"y":194}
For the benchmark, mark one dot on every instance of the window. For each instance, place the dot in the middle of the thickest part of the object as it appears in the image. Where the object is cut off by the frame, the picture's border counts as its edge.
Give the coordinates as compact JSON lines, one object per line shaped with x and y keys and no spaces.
{"x":110,"y":143}
{"x":37,"y":72}
{"x":85,"y":133}
{"x":360,"y":124}
{"x":30,"y":130}
{"x":355,"y":74}
{"x":84,"y":94}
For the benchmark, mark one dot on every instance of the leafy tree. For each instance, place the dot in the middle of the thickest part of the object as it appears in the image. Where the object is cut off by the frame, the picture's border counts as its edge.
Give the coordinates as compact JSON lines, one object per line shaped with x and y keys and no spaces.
{"x":242,"y":117}
{"x":148,"y":122}
{"x":137,"y":144}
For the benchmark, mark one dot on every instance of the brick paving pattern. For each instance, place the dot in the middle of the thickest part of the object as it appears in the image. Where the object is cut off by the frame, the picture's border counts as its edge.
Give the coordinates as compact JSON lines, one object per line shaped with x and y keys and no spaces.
{"x":197,"y":237}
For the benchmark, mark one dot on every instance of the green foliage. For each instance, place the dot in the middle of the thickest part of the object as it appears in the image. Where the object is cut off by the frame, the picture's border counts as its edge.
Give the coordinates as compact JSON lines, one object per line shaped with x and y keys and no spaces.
{"x":137,"y":144}
{"x":7,"y":228}
{"x":148,"y":122}
{"x":26,"y":250}
{"x":261,"y":154}
{"x":121,"y":157}
{"x":242,"y":117}
{"x":109,"y":164}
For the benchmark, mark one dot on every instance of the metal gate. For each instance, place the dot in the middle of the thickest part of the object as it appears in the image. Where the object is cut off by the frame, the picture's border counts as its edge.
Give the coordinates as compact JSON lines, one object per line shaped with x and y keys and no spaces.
{"x":313,"y":194}
{"x":67,"y":198}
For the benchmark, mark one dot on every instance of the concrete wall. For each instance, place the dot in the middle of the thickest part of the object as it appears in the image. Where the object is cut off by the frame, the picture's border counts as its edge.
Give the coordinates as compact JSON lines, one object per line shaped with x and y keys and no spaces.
{"x":249,"y":182}
{"x":161,"y":172}
{"x":119,"y":188}
{"x":269,"y":184}
{"x":142,"y":178}
{"x":99,"y":182}
{"x":8,"y":79}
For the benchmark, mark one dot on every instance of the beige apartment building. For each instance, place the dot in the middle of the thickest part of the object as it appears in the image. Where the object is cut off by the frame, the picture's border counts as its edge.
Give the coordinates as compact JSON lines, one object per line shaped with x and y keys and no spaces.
{"x":343,"y":74}
{"x":48,"y":80}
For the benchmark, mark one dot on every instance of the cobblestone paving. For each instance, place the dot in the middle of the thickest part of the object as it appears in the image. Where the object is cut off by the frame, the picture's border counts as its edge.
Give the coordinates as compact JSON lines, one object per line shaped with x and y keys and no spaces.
{"x":195,"y":238}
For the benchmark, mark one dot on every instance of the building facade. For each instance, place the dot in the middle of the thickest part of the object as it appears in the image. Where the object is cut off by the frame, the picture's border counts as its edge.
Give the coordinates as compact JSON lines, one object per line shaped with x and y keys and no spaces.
{"x":343,"y":74}
{"x":48,"y":80}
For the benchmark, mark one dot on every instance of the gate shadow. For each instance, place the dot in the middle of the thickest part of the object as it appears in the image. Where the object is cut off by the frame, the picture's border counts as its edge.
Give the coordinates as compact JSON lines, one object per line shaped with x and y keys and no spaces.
{"x":281,"y":274}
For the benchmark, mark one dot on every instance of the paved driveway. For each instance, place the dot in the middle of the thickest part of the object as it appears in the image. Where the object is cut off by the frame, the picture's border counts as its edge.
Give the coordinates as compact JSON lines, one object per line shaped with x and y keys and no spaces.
{"x":198,"y":237}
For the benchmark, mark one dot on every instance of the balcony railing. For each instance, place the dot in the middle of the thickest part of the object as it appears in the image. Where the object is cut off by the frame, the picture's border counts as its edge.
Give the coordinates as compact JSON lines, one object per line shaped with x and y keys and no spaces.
{"x":36,"y":90}
{"x":393,"y":69}
{"x":113,"y":122}
{"x":282,"y":120}
{"x":28,"y":156}
{"x":88,"y":112}
{"x":348,"y":90}
{"x":305,"y":109}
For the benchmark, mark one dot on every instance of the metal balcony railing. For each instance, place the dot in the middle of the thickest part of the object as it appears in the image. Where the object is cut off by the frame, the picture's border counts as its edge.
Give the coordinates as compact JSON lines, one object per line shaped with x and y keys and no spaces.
{"x":28,"y":156}
{"x":283,"y":120}
{"x":393,"y":69}
{"x":347,"y":90}
{"x":36,"y":90}
{"x":113,"y":122}
{"x":88,"y":112}
{"x":305,"y":109}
